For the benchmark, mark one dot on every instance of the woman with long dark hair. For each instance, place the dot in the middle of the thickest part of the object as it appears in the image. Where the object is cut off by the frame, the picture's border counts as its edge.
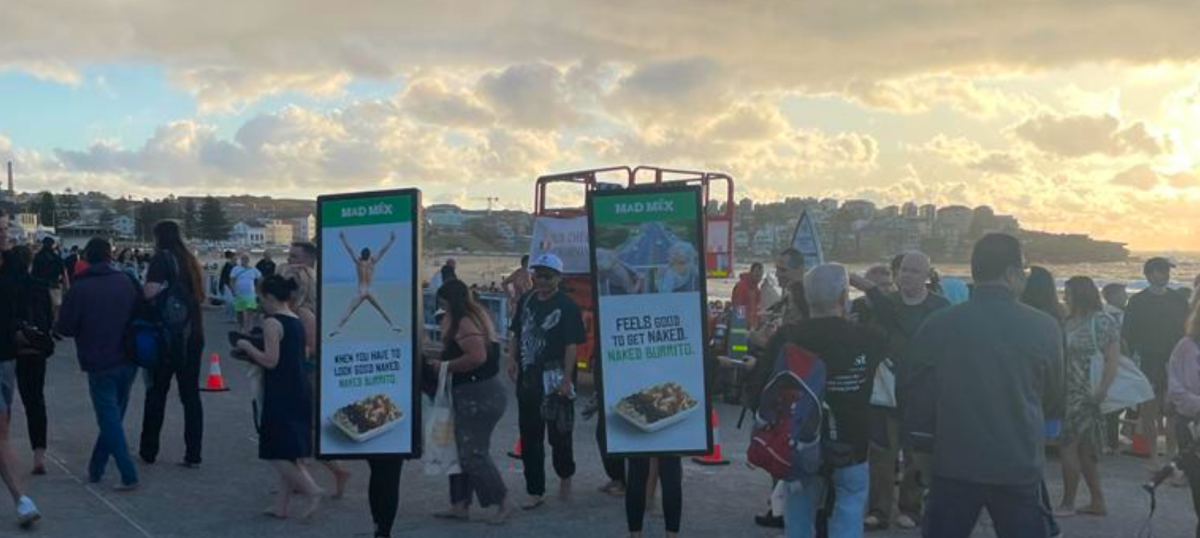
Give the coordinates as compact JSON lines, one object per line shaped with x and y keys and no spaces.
{"x":174,"y":270}
{"x":471,"y":353}
{"x":31,"y":362}
{"x":1041,"y":292}
{"x":1089,"y":332}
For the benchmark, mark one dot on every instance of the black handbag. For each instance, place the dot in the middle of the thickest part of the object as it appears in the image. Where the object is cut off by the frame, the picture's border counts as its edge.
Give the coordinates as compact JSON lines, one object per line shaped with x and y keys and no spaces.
{"x":34,"y":342}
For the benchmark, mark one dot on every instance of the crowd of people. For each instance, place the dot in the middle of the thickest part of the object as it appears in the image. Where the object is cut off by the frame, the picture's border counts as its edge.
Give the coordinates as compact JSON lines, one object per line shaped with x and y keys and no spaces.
{"x":926,"y":377}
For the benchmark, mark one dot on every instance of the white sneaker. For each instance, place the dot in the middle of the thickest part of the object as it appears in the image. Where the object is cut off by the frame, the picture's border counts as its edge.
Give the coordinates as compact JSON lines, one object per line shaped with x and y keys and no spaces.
{"x":27,"y":512}
{"x":905,"y":522}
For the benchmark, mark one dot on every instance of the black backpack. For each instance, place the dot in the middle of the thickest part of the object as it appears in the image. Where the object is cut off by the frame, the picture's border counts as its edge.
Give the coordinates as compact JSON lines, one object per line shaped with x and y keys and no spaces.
{"x":173,"y":304}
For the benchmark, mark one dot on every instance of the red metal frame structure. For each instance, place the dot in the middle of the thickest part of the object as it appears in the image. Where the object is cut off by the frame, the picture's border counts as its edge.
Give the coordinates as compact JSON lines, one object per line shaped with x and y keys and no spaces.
{"x":579,"y":285}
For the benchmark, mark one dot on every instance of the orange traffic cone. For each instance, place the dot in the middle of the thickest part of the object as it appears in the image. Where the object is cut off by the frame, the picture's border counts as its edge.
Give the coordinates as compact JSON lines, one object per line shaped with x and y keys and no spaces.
{"x":515,"y":453}
{"x":1141,"y":446}
{"x":715,"y":457}
{"x":215,"y":383}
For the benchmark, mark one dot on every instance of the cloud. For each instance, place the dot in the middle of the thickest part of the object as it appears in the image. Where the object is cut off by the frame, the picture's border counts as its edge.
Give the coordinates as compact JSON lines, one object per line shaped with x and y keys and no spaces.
{"x":1083,"y":135}
{"x":219,"y":90}
{"x":431,"y":101}
{"x":53,"y":70}
{"x":302,"y":152}
{"x":531,"y":96}
{"x":1140,"y":177}
{"x":667,"y":92}
{"x":970,"y":155}
{"x":919,"y":94}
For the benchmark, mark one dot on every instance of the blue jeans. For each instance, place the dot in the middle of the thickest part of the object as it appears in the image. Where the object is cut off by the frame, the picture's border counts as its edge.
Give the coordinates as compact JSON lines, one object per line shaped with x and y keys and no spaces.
{"x":954,"y":508}
{"x":851,"y":486}
{"x":110,"y":398}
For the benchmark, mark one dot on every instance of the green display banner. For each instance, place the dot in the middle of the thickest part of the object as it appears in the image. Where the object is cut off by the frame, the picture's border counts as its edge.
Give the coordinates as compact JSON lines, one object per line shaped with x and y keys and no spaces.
{"x":647,"y":207}
{"x":648,"y":286}
{"x":366,"y":211}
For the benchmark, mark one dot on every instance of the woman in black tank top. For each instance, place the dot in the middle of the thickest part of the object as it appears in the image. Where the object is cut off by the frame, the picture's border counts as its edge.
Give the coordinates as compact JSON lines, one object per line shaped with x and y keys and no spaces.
{"x":472,"y":355}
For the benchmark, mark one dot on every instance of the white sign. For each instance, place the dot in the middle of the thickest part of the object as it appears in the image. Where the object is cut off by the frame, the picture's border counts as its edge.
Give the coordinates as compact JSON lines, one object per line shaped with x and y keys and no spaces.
{"x":566,"y":238}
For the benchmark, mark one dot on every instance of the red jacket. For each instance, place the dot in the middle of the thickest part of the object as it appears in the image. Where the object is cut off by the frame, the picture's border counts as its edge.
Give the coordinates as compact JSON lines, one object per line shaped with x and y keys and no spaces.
{"x":746,"y":294}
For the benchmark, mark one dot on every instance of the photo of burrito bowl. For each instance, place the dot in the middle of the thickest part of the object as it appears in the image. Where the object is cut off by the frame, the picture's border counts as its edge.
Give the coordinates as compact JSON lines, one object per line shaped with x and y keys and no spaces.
{"x":368,"y":417}
{"x":656,"y":407}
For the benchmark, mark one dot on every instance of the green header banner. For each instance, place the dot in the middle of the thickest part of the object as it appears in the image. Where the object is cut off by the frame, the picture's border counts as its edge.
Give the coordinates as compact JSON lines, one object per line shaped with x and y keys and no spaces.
{"x":637,"y":207}
{"x":366,"y":211}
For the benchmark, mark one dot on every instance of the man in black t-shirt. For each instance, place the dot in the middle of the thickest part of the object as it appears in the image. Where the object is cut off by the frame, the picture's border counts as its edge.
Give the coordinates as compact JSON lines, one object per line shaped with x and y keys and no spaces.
{"x":546,"y":330}
{"x":1154,"y":323}
{"x":899,"y":314}
{"x":851,"y":353}
{"x":266,"y":266}
{"x":225,"y":281}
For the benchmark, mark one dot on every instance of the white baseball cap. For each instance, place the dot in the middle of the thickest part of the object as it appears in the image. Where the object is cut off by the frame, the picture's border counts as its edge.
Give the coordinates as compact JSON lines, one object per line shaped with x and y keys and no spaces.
{"x":548,"y":261}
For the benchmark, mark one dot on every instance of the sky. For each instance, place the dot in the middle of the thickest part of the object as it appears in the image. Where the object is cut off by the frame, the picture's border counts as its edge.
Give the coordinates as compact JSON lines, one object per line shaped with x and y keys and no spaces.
{"x":1073,"y":115}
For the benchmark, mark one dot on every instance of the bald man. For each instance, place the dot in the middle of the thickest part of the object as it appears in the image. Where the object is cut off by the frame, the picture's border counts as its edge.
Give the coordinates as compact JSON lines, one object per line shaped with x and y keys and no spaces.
{"x":900,"y":314}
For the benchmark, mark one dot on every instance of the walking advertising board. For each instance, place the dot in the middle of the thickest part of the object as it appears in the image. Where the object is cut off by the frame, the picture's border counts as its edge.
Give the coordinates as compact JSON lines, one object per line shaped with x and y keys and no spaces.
{"x":650,"y":309}
{"x":369,"y":325}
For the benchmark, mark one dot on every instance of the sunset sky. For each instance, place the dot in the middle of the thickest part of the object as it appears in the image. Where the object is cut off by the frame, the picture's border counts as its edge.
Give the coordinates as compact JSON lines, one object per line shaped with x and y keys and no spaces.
{"x":1073,"y":115}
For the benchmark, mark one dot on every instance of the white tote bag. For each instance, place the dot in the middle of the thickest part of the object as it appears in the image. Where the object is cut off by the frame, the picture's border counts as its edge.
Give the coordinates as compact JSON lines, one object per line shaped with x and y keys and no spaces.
{"x":441,"y":452}
{"x":883,"y":394}
{"x":1129,"y":387}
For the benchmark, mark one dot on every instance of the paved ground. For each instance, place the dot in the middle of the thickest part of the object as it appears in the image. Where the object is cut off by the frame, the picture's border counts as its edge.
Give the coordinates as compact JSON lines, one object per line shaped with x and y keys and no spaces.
{"x":225,"y":497}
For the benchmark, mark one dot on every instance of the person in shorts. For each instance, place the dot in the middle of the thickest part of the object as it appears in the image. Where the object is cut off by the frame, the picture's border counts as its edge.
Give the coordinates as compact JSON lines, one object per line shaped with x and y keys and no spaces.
{"x":244,"y":280}
{"x":1154,"y":323}
{"x":10,"y":316}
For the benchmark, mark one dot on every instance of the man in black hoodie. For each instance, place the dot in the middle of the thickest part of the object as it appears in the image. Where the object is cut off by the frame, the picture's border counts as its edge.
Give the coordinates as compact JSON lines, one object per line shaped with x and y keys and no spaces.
{"x":96,"y":312}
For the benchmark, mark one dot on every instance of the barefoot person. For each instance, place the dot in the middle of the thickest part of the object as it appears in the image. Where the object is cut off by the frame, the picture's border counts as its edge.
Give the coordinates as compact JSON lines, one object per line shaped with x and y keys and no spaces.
{"x":365,"y":264}
{"x":1090,"y":331}
{"x":286,"y":436}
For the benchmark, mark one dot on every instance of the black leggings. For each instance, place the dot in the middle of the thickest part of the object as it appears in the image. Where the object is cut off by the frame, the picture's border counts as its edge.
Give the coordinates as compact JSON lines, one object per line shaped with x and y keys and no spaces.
{"x":383,"y":493}
{"x":670,"y":477}
{"x":31,"y":381}
{"x":613,"y":467}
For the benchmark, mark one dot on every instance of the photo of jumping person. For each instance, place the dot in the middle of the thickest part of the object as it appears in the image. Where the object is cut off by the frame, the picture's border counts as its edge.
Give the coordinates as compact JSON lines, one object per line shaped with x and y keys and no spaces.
{"x":365,"y":264}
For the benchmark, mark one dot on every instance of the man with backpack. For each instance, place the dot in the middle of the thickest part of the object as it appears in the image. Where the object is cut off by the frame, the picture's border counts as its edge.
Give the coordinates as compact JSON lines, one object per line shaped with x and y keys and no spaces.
{"x":981,"y":374}
{"x":96,"y":312}
{"x":829,"y":362}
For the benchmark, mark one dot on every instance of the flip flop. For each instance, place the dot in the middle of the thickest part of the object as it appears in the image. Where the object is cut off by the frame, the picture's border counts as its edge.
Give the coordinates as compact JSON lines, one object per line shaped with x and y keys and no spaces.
{"x":1089,"y":511}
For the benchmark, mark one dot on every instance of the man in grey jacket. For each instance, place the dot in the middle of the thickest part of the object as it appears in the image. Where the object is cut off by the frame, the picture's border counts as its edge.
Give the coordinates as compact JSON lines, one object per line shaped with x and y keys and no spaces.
{"x":991,"y":365}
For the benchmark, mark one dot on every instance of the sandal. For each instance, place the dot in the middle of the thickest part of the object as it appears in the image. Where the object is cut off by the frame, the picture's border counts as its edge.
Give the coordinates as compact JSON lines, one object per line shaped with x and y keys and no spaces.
{"x":533,"y":503}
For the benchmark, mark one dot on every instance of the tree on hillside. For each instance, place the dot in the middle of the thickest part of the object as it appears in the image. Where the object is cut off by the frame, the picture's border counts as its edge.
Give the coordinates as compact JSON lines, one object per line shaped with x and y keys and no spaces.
{"x":123,"y":207}
{"x":191,"y":218}
{"x":146,"y":216}
{"x":214,"y":226}
{"x":46,"y":209}
{"x":68,"y":208}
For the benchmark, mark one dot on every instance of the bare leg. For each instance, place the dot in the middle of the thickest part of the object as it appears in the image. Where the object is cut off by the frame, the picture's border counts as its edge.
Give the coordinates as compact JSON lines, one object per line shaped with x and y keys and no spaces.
{"x":354,"y":304}
{"x":296,"y":478}
{"x":8,"y":459}
{"x":340,"y":477}
{"x":375,"y":303}
{"x":1069,"y":455}
{"x":1091,"y":475}
{"x":279,"y":508}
